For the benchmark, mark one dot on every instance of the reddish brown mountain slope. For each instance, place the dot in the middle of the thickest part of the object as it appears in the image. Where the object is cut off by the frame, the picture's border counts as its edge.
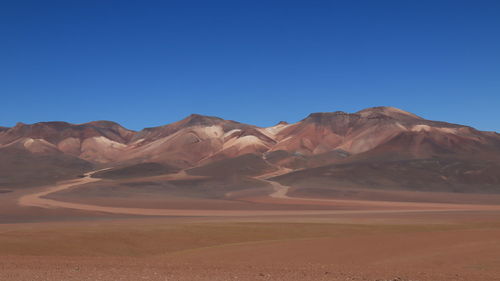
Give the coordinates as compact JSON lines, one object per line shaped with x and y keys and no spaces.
{"x":196,"y":139}
{"x":363,"y":131}
{"x":98,"y":142}
{"x":375,"y":131}
{"x":384,"y":146}
{"x":20,"y":167}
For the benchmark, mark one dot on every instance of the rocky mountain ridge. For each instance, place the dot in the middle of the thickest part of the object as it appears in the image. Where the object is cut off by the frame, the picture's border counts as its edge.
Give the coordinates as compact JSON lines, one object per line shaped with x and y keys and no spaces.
{"x":375,"y":134}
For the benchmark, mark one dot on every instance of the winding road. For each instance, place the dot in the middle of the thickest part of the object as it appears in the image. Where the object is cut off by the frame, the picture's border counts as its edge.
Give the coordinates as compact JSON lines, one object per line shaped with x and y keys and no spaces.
{"x":280,"y":192}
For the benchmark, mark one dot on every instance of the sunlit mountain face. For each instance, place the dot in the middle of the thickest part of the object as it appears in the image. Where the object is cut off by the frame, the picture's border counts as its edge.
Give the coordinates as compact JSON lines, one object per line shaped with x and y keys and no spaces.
{"x":384,"y":145}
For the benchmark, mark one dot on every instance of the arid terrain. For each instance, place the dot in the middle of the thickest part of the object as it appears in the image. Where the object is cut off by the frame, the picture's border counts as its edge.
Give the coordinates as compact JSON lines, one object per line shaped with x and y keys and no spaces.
{"x":381,"y":194}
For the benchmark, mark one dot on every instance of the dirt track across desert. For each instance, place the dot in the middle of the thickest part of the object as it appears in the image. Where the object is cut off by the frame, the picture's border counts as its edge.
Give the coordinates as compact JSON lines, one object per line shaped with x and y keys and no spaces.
{"x":355,"y":240}
{"x":280,"y":192}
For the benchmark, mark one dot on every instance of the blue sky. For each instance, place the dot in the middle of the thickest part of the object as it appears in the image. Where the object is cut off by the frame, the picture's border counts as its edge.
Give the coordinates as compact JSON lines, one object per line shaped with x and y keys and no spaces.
{"x":148,"y":63}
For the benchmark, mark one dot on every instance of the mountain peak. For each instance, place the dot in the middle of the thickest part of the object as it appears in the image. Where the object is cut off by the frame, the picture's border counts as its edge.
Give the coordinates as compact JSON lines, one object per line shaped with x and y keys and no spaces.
{"x":387,"y":111}
{"x":326,"y":114}
{"x":203,"y":120}
{"x":41,"y":125}
{"x":105,"y":124}
{"x":321,"y":117}
{"x":101,"y":123}
{"x":196,"y":115}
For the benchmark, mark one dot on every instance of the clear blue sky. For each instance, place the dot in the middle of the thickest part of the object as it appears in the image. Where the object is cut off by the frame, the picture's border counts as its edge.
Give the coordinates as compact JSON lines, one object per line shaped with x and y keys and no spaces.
{"x":148,"y":63}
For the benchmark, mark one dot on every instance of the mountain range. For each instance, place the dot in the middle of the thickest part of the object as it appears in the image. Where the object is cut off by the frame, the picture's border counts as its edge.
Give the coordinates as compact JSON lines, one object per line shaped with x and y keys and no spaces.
{"x":379,"y":147}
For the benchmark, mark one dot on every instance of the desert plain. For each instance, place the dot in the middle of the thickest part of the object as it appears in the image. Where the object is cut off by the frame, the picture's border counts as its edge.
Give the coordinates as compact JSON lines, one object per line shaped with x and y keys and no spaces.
{"x":380,"y":194}
{"x":257,"y":237}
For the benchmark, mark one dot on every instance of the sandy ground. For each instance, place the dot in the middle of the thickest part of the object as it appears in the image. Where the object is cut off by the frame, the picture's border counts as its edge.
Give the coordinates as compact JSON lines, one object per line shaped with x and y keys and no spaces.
{"x":463,"y":246}
{"x":54,"y":240}
{"x":280,"y":192}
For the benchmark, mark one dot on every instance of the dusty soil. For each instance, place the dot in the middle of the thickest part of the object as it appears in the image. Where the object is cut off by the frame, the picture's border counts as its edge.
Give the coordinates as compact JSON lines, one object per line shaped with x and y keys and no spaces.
{"x":457,"y":247}
{"x":304,"y":239}
{"x":279,"y":195}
